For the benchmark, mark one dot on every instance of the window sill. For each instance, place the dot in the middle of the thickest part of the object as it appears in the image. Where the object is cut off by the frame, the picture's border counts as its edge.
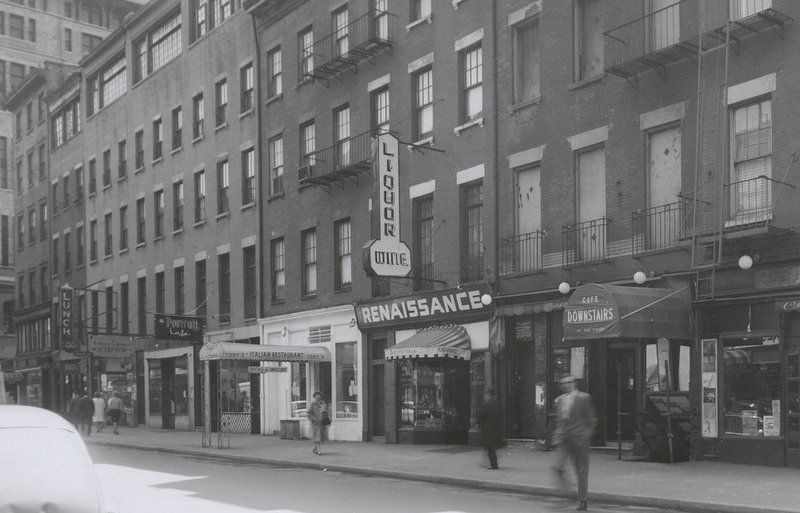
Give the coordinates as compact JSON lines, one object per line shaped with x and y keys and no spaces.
{"x":525,"y":103}
{"x":106,"y":187}
{"x":198,"y":224}
{"x":277,"y":301}
{"x":586,"y":81}
{"x":93,"y":262}
{"x":91,"y":195}
{"x":223,"y":215}
{"x":157,"y":161}
{"x":456,"y":3}
{"x":122,"y":251}
{"x":178,"y":231}
{"x":303,"y":80}
{"x":469,"y":124}
{"x":248,"y":206}
{"x":344,"y":290}
{"x":428,"y":141}
{"x":139,"y":170}
{"x":197,"y":139}
{"x":273,"y":99}
{"x":122,"y":178}
{"x":417,"y":23}
{"x":79,"y":266}
{"x":246,"y":113}
{"x":176,"y":150}
{"x":221,"y":126}
{"x":107,"y":257}
{"x":309,"y":296}
{"x":276,"y":196}
{"x":140,"y":245}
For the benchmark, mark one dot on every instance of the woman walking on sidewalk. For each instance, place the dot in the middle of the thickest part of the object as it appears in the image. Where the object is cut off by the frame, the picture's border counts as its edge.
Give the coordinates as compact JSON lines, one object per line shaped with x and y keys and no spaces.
{"x":320,"y":418}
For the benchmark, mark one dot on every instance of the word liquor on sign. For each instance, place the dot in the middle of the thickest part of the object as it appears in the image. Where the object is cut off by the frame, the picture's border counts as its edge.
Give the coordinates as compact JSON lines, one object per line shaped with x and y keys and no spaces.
{"x":388,"y":255}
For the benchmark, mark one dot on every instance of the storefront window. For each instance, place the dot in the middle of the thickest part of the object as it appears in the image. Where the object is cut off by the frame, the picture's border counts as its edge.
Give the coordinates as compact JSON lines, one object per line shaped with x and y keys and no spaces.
{"x":234,"y":387}
{"x":569,"y":361}
{"x":181,"y":386}
{"x":752,"y":377}
{"x":433,"y":394}
{"x":346,"y":381}
{"x":660,"y":358}
{"x":299,"y":405}
{"x":33,"y":388}
{"x":156,"y":386}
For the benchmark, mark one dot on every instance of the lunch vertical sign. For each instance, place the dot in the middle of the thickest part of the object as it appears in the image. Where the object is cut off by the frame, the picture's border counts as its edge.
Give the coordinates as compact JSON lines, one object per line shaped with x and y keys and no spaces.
{"x":66,"y":296}
{"x":388,"y":255}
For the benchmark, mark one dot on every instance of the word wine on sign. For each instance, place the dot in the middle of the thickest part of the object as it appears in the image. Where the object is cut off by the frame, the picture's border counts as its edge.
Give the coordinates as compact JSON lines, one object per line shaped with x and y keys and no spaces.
{"x":388,"y":255}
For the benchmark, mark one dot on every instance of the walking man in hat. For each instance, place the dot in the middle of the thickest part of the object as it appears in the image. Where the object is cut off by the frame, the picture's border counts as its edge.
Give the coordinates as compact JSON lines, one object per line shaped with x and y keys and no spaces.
{"x":575,"y":423}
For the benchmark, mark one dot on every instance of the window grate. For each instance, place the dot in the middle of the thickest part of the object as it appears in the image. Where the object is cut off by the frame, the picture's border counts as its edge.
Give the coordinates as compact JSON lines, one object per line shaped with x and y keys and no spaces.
{"x":319,"y":334}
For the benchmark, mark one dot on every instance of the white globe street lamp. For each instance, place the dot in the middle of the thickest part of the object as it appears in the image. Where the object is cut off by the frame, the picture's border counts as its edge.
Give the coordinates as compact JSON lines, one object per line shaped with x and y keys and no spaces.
{"x":564,"y":287}
{"x":639,"y":277}
{"x":486,"y":299}
{"x":745,"y":262}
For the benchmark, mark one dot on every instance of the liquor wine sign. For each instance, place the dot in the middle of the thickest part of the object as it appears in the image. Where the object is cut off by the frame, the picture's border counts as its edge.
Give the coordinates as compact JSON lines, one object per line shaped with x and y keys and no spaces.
{"x":179,"y":327}
{"x":388,"y":255}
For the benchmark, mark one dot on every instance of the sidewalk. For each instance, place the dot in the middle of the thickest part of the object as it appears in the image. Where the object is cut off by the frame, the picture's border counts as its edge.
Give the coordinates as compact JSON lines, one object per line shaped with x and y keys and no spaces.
{"x":693,"y":486}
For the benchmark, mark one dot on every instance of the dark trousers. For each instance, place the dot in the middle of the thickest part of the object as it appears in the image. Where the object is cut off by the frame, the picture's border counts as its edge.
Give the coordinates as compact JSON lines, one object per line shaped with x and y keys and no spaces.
{"x":86,"y":421}
{"x":492,"y":456}
{"x":578,"y":452}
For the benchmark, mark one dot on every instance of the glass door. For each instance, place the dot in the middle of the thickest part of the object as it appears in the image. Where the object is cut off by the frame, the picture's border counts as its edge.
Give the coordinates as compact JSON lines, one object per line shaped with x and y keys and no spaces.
{"x":793,"y":404}
{"x":621,"y":391}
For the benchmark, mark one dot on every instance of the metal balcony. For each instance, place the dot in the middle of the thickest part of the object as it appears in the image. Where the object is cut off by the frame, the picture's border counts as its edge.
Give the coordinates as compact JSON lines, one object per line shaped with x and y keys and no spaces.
{"x":584,"y":243}
{"x":360,"y":40}
{"x":521,"y":254}
{"x":674,"y":33}
{"x":751,"y":205}
{"x":346,"y":160}
{"x":657,"y":229}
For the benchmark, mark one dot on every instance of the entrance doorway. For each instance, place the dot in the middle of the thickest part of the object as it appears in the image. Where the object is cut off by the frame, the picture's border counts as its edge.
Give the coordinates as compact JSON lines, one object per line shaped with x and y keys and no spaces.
{"x":621,"y":386}
{"x":521,"y":381}
{"x":377,"y":392}
{"x":168,"y":393}
{"x":793,"y":391}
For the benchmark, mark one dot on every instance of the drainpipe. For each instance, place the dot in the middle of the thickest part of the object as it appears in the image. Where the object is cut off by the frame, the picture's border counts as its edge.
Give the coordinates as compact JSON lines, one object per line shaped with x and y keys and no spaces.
{"x":496,"y":174}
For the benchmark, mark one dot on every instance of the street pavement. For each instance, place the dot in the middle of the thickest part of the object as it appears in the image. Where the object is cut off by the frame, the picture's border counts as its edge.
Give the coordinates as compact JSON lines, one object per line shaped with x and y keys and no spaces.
{"x":142,"y":482}
{"x":705,"y":486}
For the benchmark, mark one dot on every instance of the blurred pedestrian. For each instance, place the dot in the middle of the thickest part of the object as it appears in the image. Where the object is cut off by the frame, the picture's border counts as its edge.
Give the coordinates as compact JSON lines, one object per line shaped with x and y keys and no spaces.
{"x":86,"y":410}
{"x":115,"y":410}
{"x":575,"y":423}
{"x":490,"y":418}
{"x":73,"y":410}
{"x":320,"y":419}
{"x":99,"y":417}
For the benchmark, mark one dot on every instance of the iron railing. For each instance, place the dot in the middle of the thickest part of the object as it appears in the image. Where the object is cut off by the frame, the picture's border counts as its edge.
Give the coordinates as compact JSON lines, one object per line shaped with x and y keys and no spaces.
{"x":749,"y":201}
{"x":471,"y":267}
{"x":359,"y":40}
{"x":521,"y":254}
{"x":584,"y":242}
{"x":741,"y":9}
{"x":657,"y":228}
{"x":347,"y":157}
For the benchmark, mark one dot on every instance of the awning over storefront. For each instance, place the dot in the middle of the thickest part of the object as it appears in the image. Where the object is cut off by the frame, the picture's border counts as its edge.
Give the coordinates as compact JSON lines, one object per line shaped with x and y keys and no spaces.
{"x":12,"y":376}
{"x":611,"y":311}
{"x":263,"y":353}
{"x":433,"y":342}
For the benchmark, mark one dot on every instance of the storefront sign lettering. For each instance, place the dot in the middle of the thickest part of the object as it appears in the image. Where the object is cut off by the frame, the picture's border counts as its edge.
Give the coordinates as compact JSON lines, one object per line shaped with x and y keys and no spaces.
{"x":591,"y":315}
{"x":388,"y":255}
{"x":111,"y":346}
{"x":179,"y":327}
{"x":523,"y":329}
{"x":438,"y":306}
{"x":254,"y":369}
{"x":69,"y":342}
{"x":793,"y":305}
{"x":777,"y":277}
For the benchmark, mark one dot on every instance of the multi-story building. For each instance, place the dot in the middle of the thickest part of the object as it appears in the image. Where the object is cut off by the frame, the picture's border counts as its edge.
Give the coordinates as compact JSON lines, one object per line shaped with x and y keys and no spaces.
{"x":171,"y":211}
{"x":7,"y":253}
{"x":334,"y":77}
{"x":649,"y":220}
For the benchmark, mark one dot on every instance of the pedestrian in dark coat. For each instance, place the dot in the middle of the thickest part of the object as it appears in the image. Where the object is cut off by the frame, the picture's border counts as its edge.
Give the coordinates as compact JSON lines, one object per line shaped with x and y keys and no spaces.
{"x":86,"y":409}
{"x":490,"y":418}
{"x":575,"y":423}
{"x":73,"y":410}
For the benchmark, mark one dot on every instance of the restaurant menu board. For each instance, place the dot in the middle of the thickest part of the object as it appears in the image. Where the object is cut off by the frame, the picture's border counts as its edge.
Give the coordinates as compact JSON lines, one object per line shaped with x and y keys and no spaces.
{"x":710,"y":392}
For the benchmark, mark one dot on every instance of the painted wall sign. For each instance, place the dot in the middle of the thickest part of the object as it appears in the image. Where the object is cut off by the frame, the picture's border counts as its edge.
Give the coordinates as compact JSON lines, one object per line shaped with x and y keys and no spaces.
{"x":388,"y":255}
{"x":110,"y":346}
{"x":441,"y":306}
{"x":777,"y":277}
{"x":69,"y":342}
{"x":179,"y":327}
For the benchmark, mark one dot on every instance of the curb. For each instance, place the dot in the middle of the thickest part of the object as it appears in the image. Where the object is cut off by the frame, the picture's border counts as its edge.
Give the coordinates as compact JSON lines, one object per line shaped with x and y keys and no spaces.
{"x":542,"y":491}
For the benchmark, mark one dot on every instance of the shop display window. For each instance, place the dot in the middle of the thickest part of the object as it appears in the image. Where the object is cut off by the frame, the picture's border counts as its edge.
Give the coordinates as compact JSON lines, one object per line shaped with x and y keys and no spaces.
{"x":433,"y":394}
{"x":752,"y":386}
{"x":181,"y":386}
{"x":346,"y":381}
{"x":667,"y":367}
{"x":156,"y":386}
{"x":299,"y":380}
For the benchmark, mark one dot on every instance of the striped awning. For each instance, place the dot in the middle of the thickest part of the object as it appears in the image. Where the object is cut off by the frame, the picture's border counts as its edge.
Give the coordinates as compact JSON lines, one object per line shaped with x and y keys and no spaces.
{"x":736,"y":357}
{"x":12,"y":376}
{"x":433,"y":342}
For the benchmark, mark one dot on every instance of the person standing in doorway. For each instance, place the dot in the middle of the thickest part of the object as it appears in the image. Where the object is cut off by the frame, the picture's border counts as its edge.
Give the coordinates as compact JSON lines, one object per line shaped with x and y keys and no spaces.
{"x":99,"y":417}
{"x":320,"y":419}
{"x":490,"y":418}
{"x":115,"y":410}
{"x":575,"y":423}
{"x":86,"y":409}
{"x":73,"y":410}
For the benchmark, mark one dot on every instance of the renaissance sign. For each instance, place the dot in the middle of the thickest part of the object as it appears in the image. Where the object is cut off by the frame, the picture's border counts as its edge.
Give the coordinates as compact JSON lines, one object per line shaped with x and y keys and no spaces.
{"x":179,"y":327}
{"x":441,"y":306}
{"x":388,"y":255}
{"x":69,"y":342}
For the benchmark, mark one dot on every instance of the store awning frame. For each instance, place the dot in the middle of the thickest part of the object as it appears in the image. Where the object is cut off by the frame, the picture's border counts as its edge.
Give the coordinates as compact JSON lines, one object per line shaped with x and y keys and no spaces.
{"x":596,"y":311}
{"x":12,"y":377}
{"x":263,"y":353}
{"x":450,"y":341}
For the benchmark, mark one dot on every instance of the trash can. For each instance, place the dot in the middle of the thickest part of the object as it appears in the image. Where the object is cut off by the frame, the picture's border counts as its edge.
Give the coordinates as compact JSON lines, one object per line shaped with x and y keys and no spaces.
{"x":290,"y":429}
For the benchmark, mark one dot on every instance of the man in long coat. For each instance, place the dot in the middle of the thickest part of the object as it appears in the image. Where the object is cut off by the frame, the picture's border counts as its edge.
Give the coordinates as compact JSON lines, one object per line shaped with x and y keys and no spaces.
{"x":490,"y":418}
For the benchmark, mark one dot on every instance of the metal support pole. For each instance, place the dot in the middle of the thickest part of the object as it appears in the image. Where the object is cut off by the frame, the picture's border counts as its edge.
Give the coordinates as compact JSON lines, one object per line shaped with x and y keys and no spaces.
{"x":669,"y":414}
{"x":619,"y":410}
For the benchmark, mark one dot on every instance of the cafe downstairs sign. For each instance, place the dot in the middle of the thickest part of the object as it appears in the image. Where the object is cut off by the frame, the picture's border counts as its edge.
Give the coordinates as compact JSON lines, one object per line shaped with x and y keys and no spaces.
{"x":179,"y":327}
{"x":437,"y":307}
{"x":590,"y":313}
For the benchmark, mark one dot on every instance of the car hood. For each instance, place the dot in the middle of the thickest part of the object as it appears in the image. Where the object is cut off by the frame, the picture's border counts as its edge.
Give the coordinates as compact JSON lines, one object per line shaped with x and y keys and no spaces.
{"x":31,"y":486}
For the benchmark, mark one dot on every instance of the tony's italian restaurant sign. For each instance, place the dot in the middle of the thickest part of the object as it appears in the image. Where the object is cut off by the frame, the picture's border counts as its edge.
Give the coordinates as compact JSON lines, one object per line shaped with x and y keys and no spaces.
{"x":592,"y":313}
{"x":388,"y":255}
{"x":441,"y":306}
{"x":69,"y":342}
{"x":179,"y":327}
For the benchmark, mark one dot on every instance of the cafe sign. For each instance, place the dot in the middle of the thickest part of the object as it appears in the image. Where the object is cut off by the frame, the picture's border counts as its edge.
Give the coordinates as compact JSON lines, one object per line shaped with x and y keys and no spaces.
{"x":590,"y":313}
{"x":467,"y":304}
{"x":179,"y":327}
{"x":789,"y":305}
{"x":110,"y":346}
{"x":388,"y":255}
{"x":69,"y":342}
